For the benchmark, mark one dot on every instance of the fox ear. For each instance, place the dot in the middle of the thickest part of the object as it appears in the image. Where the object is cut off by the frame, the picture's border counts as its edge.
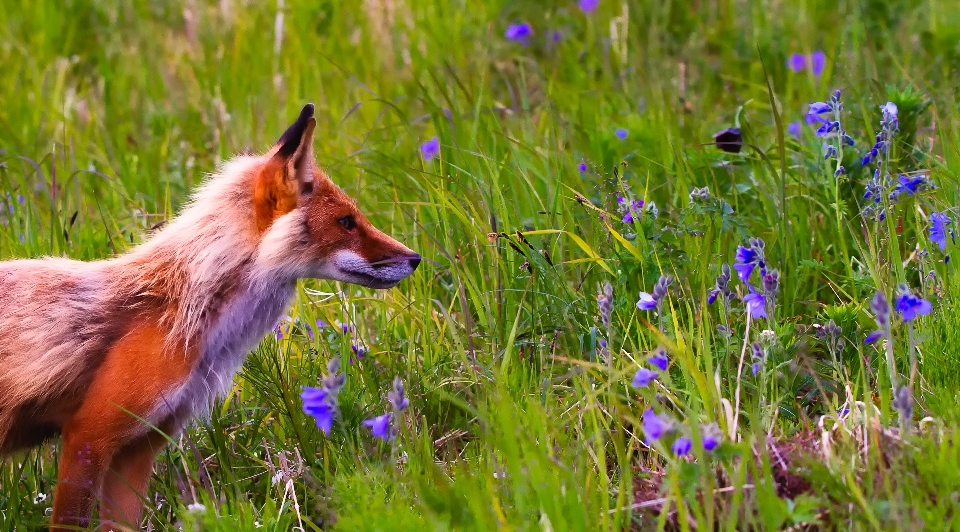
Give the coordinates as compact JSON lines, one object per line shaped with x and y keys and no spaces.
{"x":289,"y":172}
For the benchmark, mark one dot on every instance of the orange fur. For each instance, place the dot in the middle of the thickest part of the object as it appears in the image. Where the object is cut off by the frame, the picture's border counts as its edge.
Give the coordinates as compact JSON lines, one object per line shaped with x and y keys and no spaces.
{"x":117,"y":355}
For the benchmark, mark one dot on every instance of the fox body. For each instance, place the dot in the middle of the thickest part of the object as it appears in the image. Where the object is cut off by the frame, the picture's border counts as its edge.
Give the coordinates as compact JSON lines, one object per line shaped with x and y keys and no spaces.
{"x":103,"y":351}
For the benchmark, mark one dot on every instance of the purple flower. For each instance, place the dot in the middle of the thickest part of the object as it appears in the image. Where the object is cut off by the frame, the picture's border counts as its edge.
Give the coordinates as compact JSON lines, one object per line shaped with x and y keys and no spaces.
{"x":873,"y":337}
{"x":631,"y":210}
{"x":938,"y":229}
{"x":659,"y":359}
{"x":653,"y":425}
{"x":430,"y":148}
{"x":519,"y":32}
{"x":827,"y":128}
{"x":796,"y":62}
{"x":819,"y":108}
{"x":380,"y":426}
{"x":911,"y":185}
{"x":794,"y":128}
{"x":588,"y":6}
{"x":318,"y":404}
{"x":321,"y":324}
{"x":277,"y":331}
{"x":818,"y":61}
{"x":729,"y":140}
{"x":746,"y":259}
{"x":643,"y":378}
{"x":814,"y":119}
{"x":711,"y":436}
{"x":756,"y":304}
{"x":555,"y":35}
{"x":682,"y":446}
{"x":582,"y":167}
{"x":755,"y":368}
{"x":647,"y":302}
{"x":889,"y":109}
{"x":309,"y":331}
{"x":621,"y":133}
{"x":359,"y":351}
{"x":910,"y":306}
{"x":397,"y":396}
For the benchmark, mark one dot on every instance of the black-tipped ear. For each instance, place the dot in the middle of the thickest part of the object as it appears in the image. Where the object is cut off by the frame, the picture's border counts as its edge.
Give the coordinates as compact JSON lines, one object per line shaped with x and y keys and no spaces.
{"x":290,"y":140}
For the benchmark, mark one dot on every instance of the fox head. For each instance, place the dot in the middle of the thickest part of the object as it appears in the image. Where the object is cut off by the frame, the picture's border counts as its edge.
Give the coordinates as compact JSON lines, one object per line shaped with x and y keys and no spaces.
{"x":312,"y":226}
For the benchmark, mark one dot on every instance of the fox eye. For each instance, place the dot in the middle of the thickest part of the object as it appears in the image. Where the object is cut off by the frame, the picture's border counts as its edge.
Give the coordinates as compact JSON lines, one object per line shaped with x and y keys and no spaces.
{"x":348,"y":223}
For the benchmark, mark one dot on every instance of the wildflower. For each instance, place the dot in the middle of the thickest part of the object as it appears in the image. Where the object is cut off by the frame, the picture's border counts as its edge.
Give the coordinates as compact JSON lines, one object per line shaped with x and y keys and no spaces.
{"x":813,"y":119}
{"x":555,"y":36}
{"x":631,"y":209}
{"x":654,"y":426}
{"x":605,"y":304}
{"x":397,"y":396}
{"x":699,"y":194}
{"x":359,"y":351}
{"x":711,"y":435}
{"x":321,"y":403}
{"x":519,"y":32}
{"x":380,"y":426}
{"x":903,"y":403}
{"x":643,"y":378}
{"x":41,"y":497}
{"x":873,"y":337}
{"x":819,"y":108}
{"x":588,"y":6}
{"x":908,"y":184}
{"x":797,"y":62}
{"x":682,"y":446}
{"x":756,"y":304}
{"x":938,"y":229}
{"x":881,"y":310}
{"x":910,"y":306}
{"x":652,"y":210}
{"x":582,"y":167}
{"x":655,"y":300}
{"x":729,"y":140}
{"x":748,"y":258}
{"x":827,"y":128}
{"x":430,"y":148}
{"x":793,"y":128}
{"x":818,"y":61}
{"x":758,"y":355}
{"x":277,"y":331}
{"x":621,"y":133}
{"x":889,"y":109}
{"x":721,"y":286}
{"x":196,"y":508}
{"x":771,"y":282}
{"x":659,"y":359}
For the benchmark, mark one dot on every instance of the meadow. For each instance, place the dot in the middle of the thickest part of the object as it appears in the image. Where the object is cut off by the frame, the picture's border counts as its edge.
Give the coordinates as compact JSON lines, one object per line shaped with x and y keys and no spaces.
{"x":660,"y":289}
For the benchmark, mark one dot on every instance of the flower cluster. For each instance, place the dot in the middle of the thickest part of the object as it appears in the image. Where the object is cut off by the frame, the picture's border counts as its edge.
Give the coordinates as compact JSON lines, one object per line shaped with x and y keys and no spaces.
{"x":657,"y":428}
{"x":654,"y":301}
{"x":631,"y":209}
{"x":751,"y":258}
{"x":721,"y":287}
{"x":817,"y":61}
{"x":644,"y":376}
{"x":321,"y":403}
{"x":383,"y":426}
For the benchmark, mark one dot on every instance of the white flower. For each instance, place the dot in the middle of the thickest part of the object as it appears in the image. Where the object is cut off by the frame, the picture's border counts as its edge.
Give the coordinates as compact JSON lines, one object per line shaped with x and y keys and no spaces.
{"x":889,"y":108}
{"x":196,"y":507}
{"x":40,"y":498}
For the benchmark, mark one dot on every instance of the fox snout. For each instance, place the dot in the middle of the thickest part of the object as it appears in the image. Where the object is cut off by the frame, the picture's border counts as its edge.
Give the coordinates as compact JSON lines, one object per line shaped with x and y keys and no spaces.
{"x":322,"y":226}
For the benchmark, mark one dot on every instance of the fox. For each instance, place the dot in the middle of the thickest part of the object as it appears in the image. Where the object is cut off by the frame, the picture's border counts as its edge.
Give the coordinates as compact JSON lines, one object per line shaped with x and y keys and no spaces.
{"x":117,"y":355}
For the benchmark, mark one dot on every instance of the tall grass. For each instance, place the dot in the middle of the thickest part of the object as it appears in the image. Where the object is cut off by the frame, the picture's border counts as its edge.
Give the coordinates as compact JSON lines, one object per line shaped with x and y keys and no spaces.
{"x":520,"y":418}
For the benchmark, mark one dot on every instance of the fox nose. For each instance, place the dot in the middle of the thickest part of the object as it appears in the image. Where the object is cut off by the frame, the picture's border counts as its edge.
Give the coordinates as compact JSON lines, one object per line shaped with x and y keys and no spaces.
{"x":414,"y":261}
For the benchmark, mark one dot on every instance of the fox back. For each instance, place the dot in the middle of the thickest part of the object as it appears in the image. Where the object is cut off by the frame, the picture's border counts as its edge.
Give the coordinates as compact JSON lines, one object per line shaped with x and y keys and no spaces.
{"x":87,"y":348}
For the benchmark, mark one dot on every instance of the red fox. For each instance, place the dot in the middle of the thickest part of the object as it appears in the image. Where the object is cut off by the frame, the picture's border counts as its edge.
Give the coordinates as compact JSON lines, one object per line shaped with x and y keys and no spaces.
{"x":100,"y":351}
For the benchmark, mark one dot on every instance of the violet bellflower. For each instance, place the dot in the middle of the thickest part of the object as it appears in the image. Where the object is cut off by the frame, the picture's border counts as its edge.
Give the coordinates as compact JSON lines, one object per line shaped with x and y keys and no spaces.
{"x":681,"y":446}
{"x":797,"y":62}
{"x":520,"y":33}
{"x":721,"y":287}
{"x":588,"y":6}
{"x":380,"y":426}
{"x":755,"y":304}
{"x":910,"y":306}
{"x":938,"y":229}
{"x":321,"y":403}
{"x":643,"y":378}
{"x":748,"y":258}
{"x":653,"y":301}
{"x":659,"y":359}
{"x":712,"y":435}
{"x":430,"y":148}
{"x":818,"y":62}
{"x":631,"y":209}
{"x":654,"y":426}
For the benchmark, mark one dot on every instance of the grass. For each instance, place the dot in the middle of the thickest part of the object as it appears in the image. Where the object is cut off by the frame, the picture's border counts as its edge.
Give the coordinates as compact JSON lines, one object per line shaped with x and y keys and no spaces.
{"x":113,"y":111}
